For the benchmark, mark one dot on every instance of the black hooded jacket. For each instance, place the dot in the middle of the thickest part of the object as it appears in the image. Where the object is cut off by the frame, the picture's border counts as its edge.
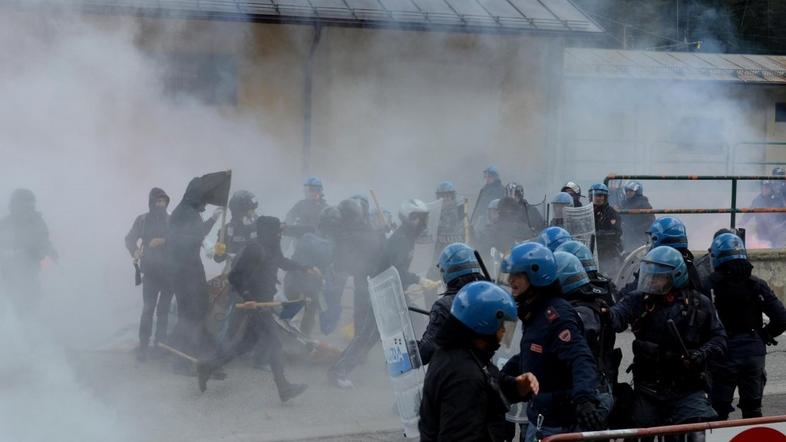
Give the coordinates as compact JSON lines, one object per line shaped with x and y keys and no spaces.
{"x":187,"y":230}
{"x":254,"y":274}
{"x":489,"y":192}
{"x":634,"y":227}
{"x":24,"y":239}
{"x":463,"y":391}
{"x":153,"y":224}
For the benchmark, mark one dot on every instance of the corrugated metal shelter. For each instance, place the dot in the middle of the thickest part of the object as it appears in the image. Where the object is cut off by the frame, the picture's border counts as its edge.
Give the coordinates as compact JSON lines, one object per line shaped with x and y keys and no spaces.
{"x":461,"y":15}
{"x":605,"y":63}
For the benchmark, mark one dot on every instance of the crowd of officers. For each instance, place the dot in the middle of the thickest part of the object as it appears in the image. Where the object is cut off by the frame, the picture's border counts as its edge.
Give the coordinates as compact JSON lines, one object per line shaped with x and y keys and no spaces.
{"x":696,"y":341}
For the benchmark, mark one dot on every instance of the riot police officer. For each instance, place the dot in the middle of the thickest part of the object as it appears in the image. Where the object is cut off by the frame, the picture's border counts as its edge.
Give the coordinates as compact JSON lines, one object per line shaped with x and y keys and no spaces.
{"x":558,"y":204}
{"x":491,"y":190}
{"x":303,"y":217}
{"x":241,"y":228}
{"x":677,"y":331}
{"x":450,"y":228}
{"x":588,"y":301}
{"x":458,"y":266}
{"x":741,"y":298}
{"x":553,"y":347}
{"x":634,"y":227}
{"x":529,"y":214}
{"x":583,"y":253}
{"x":608,"y":228}
{"x":465,"y":398}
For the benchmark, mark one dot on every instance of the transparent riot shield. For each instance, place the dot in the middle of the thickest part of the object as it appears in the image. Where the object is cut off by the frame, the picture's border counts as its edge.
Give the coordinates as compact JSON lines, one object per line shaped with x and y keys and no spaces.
{"x":580,"y":223}
{"x":426,"y":242}
{"x":400,"y":345}
{"x":629,"y":267}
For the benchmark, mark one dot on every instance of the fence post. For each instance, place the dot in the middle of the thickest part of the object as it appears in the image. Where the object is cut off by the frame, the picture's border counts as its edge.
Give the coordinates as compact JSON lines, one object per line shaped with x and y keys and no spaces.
{"x":733,"y":203}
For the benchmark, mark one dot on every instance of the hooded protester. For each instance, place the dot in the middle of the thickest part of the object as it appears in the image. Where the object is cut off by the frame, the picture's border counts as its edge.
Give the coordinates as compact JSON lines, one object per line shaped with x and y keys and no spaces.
{"x":465,"y":397}
{"x":146,"y":242}
{"x":24,"y":243}
{"x":187,"y":230}
{"x":254,"y":277}
{"x":634,"y":227}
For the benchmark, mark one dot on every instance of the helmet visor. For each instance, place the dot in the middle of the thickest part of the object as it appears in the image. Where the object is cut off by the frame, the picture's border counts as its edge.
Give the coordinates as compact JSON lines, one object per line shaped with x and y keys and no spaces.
{"x":655,"y":279}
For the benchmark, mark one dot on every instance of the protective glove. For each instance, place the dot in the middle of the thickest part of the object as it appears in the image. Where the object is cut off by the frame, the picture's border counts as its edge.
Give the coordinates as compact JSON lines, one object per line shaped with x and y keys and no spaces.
{"x":217,"y":213}
{"x":589,"y":416}
{"x":767,"y":337}
{"x":695,"y":359}
{"x":220,"y":249}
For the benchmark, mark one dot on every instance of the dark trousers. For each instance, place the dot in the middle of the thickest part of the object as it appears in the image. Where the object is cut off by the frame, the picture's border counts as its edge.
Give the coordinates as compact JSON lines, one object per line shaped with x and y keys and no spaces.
{"x":366,"y":336}
{"x":255,"y":329}
{"x":191,"y":294}
{"x":746,"y":374}
{"x":692,"y":407}
{"x":156,"y":298}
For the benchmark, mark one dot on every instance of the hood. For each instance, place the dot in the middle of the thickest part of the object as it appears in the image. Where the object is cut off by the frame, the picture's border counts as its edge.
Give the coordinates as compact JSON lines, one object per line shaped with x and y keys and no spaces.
{"x":194,"y":195}
{"x":156,"y":193}
{"x":268,"y":229}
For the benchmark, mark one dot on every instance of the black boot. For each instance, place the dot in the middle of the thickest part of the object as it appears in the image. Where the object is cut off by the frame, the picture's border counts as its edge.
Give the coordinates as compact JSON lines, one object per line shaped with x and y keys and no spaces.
{"x":204,"y":371}
{"x":287,"y":391}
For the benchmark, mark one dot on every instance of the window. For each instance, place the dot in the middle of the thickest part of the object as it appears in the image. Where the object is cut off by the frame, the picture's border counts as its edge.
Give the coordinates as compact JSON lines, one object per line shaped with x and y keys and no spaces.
{"x":780,"y":112}
{"x":211,"y":79}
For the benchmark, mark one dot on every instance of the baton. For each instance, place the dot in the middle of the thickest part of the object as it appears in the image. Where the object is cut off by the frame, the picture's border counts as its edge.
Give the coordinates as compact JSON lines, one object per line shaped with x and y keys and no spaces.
{"x":418,"y":310}
{"x":676,"y":335}
{"x":482,"y":266}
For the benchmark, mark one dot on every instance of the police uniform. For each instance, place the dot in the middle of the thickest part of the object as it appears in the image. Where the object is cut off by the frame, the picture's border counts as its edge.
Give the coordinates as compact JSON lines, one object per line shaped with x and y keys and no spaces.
{"x":608,"y":228}
{"x":740,"y":302}
{"x":666,"y":392}
{"x":553,"y":348}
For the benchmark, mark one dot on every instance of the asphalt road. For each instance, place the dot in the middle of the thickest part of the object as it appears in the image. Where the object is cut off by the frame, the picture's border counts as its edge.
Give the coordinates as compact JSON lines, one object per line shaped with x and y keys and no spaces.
{"x":158,"y":405}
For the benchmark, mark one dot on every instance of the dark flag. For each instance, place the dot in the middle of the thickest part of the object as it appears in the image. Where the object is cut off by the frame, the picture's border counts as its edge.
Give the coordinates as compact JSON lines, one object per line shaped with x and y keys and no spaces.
{"x":215,"y":187}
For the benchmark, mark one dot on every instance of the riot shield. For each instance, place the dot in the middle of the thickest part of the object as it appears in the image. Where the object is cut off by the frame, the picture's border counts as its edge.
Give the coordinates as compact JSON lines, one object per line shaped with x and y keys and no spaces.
{"x":400,"y":345}
{"x":629,"y":267}
{"x":425,"y":243}
{"x":580,"y":223}
{"x":220,"y":305}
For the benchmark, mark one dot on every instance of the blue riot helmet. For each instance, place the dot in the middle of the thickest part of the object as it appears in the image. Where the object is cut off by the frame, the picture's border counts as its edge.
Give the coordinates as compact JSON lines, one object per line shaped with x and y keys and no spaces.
{"x":483,"y":307}
{"x":727,"y":247}
{"x":457,"y":259}
{"x":312,"y":187}
{"x":598,"y":189}
{"x":491,"y":172}
{"x":445,"y":187}
{"x":580,"y":251}
{"x":534,"y":260}
{"x":553,"y":237}
{"x":635,"y":187}
{"x":562,"y":198}
{"x":668,"y":231}
{"x":662,"y":270}
{"x":570,"y":272}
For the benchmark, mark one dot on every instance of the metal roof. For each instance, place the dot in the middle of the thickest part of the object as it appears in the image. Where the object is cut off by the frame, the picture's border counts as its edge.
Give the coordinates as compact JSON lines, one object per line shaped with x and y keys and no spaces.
{"x":607,"y":63}
{"x":462,"y":15}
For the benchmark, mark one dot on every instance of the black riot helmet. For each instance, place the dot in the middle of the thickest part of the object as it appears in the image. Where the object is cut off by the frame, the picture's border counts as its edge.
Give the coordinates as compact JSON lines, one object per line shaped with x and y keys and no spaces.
{"x":351,"y":212}
{"x":241,"y":202}
{"x":329,"y":221}
{"x":22,"y":200}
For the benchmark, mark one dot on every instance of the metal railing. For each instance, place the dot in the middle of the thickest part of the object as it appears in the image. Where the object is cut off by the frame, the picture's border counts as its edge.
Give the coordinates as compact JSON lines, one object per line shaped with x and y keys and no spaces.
{"x":733,"y":210}
{"x":664,"y":430}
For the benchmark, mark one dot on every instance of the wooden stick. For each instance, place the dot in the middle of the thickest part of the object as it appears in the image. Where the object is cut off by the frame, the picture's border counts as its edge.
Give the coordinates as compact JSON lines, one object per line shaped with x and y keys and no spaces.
{"x":380,"y":215}
{"x":177,"y":352}
{"x":268,"y":305}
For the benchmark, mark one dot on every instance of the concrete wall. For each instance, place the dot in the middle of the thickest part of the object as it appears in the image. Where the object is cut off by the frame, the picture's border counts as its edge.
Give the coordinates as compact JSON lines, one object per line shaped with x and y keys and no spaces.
{"x":392,"y":110}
